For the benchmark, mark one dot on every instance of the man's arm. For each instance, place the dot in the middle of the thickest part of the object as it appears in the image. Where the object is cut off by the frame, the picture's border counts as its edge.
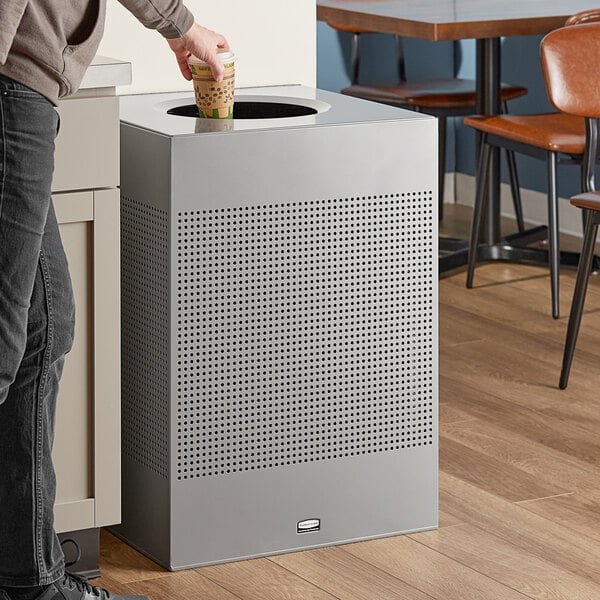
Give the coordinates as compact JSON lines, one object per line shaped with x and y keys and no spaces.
{"x":11,"y":14}
{"x":169,"y":17}
{"x":176,"y":23}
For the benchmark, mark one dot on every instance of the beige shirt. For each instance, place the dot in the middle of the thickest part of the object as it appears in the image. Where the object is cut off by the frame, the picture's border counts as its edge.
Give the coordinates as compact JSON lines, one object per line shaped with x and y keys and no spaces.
{"x":48,"y":45}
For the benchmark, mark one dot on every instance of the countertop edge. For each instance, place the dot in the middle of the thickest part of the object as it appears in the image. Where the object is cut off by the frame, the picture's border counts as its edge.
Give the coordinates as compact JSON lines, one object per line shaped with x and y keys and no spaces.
{"x":106,"y":72}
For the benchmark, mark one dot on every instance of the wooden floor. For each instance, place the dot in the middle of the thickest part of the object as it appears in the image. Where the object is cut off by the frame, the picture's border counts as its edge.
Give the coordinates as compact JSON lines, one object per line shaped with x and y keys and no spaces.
{"x":519,"y":481}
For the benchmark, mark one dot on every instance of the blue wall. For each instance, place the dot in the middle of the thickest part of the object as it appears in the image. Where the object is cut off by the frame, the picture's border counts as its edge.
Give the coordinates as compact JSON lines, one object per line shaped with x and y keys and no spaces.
{"x":520,"y":64}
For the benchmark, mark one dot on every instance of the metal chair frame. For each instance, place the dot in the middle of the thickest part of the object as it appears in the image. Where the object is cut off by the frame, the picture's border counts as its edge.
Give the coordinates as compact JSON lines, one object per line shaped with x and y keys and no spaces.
{"x":552,"y":159}
{"x":592,"y":220}
{"x":586,"y":161}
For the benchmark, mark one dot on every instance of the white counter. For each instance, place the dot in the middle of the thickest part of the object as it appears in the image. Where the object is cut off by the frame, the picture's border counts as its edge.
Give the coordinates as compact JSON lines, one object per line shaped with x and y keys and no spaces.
{"x":106,"y":72}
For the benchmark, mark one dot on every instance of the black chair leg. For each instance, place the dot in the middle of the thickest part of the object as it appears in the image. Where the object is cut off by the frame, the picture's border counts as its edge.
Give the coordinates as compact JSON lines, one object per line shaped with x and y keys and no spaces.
{"x":355,"y":59}
{"x":513,"y":176}
{"x":515,"y":189}
{"x":483,"y":166}
{"x":581,"y":284}
{"x":553,"y":241}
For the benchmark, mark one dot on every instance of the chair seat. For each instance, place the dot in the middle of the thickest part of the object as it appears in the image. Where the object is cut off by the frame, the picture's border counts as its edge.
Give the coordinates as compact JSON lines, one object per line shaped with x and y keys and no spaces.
{"x":556,"y":132}
{"x":430,"y":93}
{"x":589,"y":200}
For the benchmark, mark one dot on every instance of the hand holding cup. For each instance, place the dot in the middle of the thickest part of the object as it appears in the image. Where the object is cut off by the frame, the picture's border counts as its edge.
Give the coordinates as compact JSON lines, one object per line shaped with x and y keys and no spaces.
{"x":202,"y":43}
{"x":214,"y":98}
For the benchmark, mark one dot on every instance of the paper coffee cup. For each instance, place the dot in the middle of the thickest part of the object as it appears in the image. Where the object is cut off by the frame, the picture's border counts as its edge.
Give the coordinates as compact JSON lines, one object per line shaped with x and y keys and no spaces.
{"x":214,"y":99}
{"x":213,"y":125}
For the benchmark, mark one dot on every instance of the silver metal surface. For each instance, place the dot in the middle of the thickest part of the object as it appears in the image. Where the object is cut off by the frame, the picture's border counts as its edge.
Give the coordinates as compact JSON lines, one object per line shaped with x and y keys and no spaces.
{"x":280,"y":328}
{"x":150,"y":111}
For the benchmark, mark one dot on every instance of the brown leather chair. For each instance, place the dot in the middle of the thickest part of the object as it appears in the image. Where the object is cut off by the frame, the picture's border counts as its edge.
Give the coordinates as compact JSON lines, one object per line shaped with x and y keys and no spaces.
{"x":440,"y":97}
{"x":584,"y":17}
{"x":590,"y":204}
{"x":570,"y":58}
{"x":557,"y":138}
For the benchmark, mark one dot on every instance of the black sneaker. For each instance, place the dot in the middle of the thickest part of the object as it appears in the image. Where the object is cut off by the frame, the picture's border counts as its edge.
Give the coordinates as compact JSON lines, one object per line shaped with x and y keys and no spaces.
{"x":74,"y":587}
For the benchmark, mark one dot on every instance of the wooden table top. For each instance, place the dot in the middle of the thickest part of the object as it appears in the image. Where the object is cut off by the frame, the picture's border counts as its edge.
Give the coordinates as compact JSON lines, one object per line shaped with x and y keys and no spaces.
{"x":453,"y":19}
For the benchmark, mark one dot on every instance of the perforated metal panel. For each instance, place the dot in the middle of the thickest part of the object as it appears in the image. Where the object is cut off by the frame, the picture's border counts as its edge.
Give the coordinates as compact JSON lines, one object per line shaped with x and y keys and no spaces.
{"x":305,"y":332}
{"x":280,"y":328}
{"x":145,"y":297}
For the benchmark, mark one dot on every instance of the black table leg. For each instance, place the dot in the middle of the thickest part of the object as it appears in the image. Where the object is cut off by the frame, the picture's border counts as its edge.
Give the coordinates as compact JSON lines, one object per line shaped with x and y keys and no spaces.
{"x":488,"y":103}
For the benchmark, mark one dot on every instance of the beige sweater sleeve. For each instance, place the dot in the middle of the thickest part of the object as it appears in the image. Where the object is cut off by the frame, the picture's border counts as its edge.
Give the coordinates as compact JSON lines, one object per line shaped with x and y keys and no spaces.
{"x":169,"y":17}
{"x":11,"y":14}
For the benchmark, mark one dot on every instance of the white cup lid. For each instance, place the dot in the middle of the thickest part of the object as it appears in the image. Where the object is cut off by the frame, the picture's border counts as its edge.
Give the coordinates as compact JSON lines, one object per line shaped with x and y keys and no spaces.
{"x":223,"y":54}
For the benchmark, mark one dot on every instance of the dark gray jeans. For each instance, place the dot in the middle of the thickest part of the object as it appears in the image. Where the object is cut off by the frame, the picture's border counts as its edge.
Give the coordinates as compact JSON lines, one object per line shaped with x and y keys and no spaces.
{"x":36,"y":331}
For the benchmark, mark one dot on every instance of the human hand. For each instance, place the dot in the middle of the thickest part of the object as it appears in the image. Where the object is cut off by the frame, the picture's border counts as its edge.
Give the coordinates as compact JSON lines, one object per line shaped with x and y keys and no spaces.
{"x":203,"y":44}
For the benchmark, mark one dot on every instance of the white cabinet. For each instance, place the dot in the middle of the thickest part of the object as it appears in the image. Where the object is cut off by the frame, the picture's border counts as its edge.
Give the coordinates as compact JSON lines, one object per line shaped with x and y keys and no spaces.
{"x":87,"y":450}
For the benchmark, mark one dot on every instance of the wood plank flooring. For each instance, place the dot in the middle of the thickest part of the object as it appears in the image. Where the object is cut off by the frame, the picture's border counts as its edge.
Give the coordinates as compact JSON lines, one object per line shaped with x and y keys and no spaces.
{"x":519,"y":461}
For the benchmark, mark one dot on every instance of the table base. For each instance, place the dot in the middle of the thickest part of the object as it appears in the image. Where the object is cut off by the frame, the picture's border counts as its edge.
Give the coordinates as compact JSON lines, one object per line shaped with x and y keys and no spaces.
{"x":512,"y":248}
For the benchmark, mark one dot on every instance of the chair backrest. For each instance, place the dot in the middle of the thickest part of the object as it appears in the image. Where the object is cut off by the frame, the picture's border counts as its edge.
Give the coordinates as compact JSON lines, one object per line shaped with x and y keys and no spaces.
{"x":355,"y":53}
{"x":586,"y":16}
{"x":570,"y":59}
